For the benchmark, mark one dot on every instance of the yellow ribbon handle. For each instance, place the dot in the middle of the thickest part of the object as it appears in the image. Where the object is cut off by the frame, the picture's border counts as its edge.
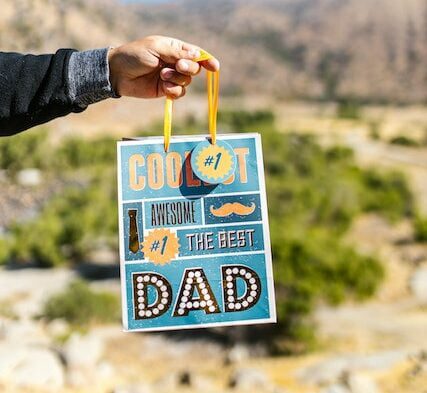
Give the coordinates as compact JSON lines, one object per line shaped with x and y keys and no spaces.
{"x":212,"y":80}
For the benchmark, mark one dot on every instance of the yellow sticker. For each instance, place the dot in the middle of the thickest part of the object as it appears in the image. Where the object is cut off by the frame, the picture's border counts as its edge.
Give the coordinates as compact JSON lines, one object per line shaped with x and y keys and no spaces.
{"x":213,"y":163}
{"x":160,"y":246}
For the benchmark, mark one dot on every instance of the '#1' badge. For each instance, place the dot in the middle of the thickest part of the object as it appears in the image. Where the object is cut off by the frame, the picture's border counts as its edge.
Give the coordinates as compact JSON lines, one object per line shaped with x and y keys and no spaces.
{"x":213,"y":163}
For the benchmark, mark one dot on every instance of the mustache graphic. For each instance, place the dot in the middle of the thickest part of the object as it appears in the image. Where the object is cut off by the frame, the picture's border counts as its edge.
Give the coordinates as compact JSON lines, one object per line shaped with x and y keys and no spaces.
{"x":227,"y":209}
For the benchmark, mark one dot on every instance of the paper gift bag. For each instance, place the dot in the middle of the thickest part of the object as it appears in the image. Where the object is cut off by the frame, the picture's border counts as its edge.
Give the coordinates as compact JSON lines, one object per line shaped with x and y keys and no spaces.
{"x":194,"y":235}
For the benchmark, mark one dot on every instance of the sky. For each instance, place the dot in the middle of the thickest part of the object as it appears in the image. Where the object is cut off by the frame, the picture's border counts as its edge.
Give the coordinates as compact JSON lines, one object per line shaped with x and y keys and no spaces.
{"x":146,"y":1}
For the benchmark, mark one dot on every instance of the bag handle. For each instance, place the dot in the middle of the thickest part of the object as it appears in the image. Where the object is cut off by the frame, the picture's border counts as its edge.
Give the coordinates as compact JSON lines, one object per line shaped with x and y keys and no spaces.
{"x":212,"y":82}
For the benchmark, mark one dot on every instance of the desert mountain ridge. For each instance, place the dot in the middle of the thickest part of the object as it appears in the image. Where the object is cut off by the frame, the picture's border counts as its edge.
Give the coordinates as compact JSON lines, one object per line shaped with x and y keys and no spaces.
{"x":372,"y":50}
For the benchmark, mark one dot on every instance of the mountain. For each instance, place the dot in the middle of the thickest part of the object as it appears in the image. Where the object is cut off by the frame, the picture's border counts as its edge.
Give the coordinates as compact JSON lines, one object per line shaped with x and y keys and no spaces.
{"x":372,"y":50}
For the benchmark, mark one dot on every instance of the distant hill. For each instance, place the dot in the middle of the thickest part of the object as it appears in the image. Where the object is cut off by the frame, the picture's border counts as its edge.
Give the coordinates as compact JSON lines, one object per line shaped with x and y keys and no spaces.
{"x":373,"y":50}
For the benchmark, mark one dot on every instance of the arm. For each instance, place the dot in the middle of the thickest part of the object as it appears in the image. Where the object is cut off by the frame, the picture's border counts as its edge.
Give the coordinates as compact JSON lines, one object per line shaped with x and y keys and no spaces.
{"x":36,"y":89}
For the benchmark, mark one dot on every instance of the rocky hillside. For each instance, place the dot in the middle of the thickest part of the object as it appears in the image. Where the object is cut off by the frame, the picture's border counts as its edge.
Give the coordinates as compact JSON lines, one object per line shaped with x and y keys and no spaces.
{"x":45,"y":25}
{"x":370,"y":49}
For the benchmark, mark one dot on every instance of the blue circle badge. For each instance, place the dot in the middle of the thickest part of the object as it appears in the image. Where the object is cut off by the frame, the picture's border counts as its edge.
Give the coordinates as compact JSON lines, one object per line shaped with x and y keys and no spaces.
{"x":213,"y":164}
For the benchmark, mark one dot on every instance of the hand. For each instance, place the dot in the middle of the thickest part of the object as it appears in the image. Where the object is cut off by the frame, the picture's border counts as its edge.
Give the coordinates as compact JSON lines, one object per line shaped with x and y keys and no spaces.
{"x":155,"y":66}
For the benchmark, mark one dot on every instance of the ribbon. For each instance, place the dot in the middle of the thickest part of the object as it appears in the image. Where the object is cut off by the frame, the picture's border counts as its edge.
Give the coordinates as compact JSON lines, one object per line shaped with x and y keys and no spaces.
{"x":212,"y":82}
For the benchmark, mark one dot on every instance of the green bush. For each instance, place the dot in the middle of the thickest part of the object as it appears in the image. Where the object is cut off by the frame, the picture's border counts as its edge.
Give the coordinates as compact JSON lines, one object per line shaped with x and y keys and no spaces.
{"x":314,"y":194}
{"x":404,"y":141}
{"x":80,"y":153}
{"x":420,"y":226}
{"x":374,"y":129}
{"x":243,"y":121}
{"x":4,"y":251}
{"x":80,"y":305}
{"x":28,"y":150}
{"x":68,"y":226}
{"x":349,"y":109}
{"x":387,"y":193}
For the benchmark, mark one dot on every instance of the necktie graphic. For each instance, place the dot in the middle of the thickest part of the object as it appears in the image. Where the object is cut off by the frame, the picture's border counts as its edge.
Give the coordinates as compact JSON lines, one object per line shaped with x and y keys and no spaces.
{"x":133,"y":231}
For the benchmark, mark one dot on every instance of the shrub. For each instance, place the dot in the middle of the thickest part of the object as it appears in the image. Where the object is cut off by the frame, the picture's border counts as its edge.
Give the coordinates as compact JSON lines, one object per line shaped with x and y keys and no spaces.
{"x":420,"y":229}
{"x":349,"y":109}
{"x":80,"y":305}
{"x":4,"y":251}
{"x":240,"y":121}
{"x":68,"y":226}
{"x":78,"y":153}
{"x":28,"y":150}
{"x":404,"y":141}
{"x":374,"y":130}
{"x":314,"y":194}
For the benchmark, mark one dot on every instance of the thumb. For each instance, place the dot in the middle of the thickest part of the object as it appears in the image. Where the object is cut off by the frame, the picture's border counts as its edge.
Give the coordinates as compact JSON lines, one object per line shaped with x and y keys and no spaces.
{"x":170,"y":50}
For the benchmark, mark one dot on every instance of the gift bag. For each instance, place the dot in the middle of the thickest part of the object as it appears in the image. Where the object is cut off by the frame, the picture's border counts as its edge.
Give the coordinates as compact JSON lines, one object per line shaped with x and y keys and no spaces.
{"x":193,"y":226}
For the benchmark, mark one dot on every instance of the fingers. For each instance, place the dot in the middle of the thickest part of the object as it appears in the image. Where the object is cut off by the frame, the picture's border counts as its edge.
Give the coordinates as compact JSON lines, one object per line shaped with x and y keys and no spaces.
{"x":187,"y":67}
{"x":171,"y":75}
{"x":173,"y":83}
{"x":172,"y":90}
{"x":170,"y":50}
{"x":211,"y":64}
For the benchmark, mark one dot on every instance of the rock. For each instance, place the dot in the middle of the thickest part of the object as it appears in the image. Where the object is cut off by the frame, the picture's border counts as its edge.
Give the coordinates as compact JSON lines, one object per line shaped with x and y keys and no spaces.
{"x":39,"y":368}
{"x":331,"y":370}
{"x":102,"y":255}
{"x":335,"y":388}
{"x":325,"y":372}
{"x":85,"y":376}
{"x":133,"y":389}
{"x":29,"y":177}
{"x":3,"y":176}
{"x":24,"y":332}
{"x":237,"y":354}
{"x":105,"y":370}
{"x":200,"y":383}
{"x":418,"y":284}
{"x":32,"y":287}
{"x":77,"y":377}
{"x":58,"y":327}
{"x":83,"y":351}
{"x":10,"y":356}
{"x":419,"y":364}
{"x":183,"y":379}
{"x":250,"y":379}
{"x":175,"y":380}
{"x":358,"y":383}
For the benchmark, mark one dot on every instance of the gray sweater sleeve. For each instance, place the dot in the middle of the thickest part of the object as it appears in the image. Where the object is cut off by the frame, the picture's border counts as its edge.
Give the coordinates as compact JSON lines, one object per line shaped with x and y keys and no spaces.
{"x":37,"y":89}
{"x":89,"y":77}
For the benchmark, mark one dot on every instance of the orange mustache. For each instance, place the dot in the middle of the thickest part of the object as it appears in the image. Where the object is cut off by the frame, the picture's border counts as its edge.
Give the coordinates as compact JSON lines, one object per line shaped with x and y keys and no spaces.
{"x":228,"y":209}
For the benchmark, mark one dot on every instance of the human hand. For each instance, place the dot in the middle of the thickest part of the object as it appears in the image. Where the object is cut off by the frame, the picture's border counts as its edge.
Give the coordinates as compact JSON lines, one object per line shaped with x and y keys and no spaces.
{"x":155,"y":66}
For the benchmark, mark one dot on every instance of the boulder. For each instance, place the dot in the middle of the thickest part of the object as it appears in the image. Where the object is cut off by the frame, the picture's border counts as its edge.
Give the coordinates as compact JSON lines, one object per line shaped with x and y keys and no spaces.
{"x":329,"y":371}
{"x":175,"y":380}
{"x":87,"y":376}
{"x":183,"y":379}
{"x":29,"y":177}
{"x":58,"y":327}
{"x":335,"y":388}
{"x":10,"y":356}
{"x":139,"y":388}
{"x":39,"y":368}
{"x":32,"y":287}
{"x":83,"y":351}
{"x":418,"y":284}
{"x":28,"y":332}
{"x":358,"y":383}
{"x":250,"y":379}
{"x":238,"y":354}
